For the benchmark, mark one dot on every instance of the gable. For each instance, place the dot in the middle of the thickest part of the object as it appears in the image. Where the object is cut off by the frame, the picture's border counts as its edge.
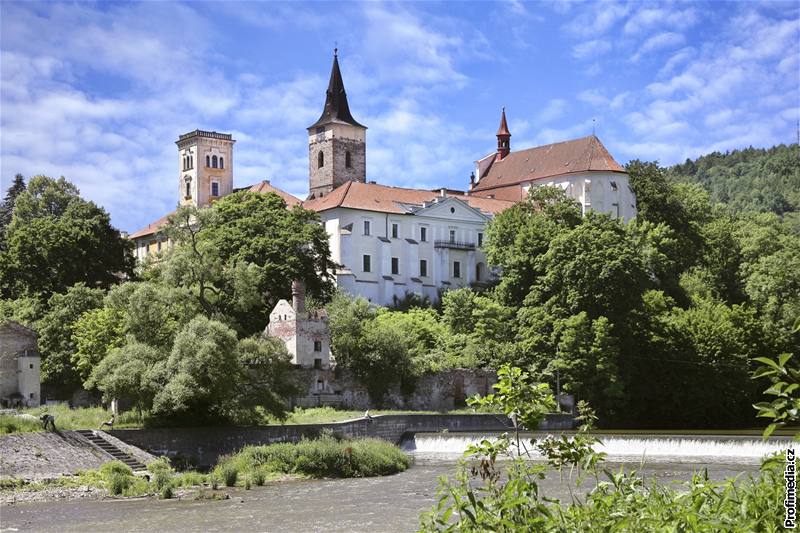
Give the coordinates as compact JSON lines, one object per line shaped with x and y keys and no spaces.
{"x":451,"y":209}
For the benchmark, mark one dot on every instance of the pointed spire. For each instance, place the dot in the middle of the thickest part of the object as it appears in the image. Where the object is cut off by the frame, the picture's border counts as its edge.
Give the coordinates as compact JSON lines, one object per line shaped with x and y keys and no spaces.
{"x":503,"y":137}
{"x":336,"y":107}
{"x":503,"y":129}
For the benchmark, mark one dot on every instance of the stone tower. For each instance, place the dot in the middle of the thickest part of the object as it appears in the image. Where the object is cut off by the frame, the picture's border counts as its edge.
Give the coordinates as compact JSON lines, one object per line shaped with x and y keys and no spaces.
{"x":205,"y":161}
{"x":337,"y":144}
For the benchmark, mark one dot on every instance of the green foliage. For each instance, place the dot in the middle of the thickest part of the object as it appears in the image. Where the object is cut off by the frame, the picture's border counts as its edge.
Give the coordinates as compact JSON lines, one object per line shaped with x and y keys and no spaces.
{"x":326,"y":456}
{"x":753,"y":179}
{"x":55,"y":330}
{"x":7,"y":206}
{"x":784,"y":378}
{"x":66,"y":419}
{"x":56,"y":239}
{"x":95,"y":334}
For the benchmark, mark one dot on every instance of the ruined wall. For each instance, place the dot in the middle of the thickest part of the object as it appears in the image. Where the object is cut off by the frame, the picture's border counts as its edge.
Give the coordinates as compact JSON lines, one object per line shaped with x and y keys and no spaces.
{"x":17,"y":341}
{"x":442,"y":391}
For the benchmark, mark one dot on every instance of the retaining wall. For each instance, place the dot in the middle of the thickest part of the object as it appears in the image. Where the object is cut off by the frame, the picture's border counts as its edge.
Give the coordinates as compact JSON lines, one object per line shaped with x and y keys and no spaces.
{"x":204,"y":445}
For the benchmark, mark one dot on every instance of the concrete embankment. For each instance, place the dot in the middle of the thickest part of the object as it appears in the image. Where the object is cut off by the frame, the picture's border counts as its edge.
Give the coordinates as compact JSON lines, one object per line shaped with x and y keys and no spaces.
{"x":202,"y":446}
{"x":49,"y":454}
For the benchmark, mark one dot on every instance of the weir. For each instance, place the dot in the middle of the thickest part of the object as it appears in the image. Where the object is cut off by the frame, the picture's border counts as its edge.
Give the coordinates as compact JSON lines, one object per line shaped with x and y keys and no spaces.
{"x":622,"y":448}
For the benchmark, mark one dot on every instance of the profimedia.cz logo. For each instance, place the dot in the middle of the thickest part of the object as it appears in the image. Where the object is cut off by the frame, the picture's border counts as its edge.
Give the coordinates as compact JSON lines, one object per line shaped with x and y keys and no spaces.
{"x":790,"y":503}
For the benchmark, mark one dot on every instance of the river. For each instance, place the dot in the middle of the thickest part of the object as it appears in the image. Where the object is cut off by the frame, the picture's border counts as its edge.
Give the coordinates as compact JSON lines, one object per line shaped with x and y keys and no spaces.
{"x":380,"y":504}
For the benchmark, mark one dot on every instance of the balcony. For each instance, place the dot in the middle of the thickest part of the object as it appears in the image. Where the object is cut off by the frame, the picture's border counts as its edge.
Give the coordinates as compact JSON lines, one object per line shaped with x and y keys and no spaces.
{"x":455,"y":245}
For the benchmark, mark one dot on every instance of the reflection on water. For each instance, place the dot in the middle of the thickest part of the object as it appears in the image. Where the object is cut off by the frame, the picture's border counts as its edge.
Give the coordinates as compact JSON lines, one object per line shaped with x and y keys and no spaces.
{"x":381,"y":504}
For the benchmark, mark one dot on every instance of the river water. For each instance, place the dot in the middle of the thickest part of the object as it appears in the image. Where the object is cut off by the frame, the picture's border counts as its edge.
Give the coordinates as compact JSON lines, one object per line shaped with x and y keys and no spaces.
{"x":381,"y":504}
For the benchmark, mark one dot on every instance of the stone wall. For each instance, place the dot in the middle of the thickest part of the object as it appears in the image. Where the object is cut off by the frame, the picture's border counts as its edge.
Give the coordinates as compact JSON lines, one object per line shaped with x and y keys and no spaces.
{"x":205,"y":445}
{"x":19,"y":363}
{"x":442,"y":391}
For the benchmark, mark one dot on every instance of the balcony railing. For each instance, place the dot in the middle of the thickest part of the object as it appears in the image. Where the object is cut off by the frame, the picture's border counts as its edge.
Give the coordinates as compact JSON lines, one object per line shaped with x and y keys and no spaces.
{"x":454,"y":245}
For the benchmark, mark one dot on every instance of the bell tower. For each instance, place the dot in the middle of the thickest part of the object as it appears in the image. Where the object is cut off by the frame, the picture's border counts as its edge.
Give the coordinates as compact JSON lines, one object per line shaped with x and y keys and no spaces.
{"x":337,"y":144}
{"x":503,"y":137}
{"x":206,"y":167}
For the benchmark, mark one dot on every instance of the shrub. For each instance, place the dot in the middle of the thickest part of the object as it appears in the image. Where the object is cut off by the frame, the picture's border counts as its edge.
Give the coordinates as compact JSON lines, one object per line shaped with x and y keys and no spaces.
{"x":166,"y":492}
{"x":162,"y":473}
{"x":229,"y":475}
{"x":259,"y":477}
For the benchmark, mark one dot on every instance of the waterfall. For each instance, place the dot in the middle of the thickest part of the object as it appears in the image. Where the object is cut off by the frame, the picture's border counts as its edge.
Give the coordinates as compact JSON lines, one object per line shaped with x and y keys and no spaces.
{"x":623,"y":448}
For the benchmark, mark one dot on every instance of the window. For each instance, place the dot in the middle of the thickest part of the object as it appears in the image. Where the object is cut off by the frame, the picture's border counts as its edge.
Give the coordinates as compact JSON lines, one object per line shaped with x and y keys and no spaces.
{"x":423,"y":267}
{"x":613,"y":185}
{"x":317,"y":346}
{"x":395,"y":231}
{"x":452,"y":235}
{"x":31,"y":366}
{"x":188,"y":190}
{"x":191,"y":161}
{"x":320,"y":159}
{"x":423,"y":234}
{"x":184,"y":164}
{"x":456,"y":269}
{"x":214,"y":188}
{"x":318,"y":365}
{"x":367,"y":263}
{"x":366,"y":227}
{"x":395,"y":265}
{"x":221,"y":162}
{"x":347,"y":160}
{"x":208,"y":161}
{"x":213,"y":161}
{"x":159,"y":246}
{"x":480,"y":239}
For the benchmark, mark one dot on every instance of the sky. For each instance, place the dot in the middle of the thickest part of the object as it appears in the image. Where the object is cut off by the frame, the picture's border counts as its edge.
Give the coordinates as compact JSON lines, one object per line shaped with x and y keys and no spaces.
{"x":99,"y":92}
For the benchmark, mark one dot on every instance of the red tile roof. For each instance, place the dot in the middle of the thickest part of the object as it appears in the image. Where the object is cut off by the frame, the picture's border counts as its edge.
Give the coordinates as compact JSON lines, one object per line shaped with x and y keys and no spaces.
{"x":577,"y":155}
{"x":265,"y":187}
{"x":385,"y":199}
{"x":262,"y":187}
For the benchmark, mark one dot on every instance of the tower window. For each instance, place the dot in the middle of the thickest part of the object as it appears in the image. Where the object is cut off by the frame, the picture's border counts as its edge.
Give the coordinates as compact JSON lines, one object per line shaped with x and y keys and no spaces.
{"x":208,"y":161}
{"x":367,"y":263}
{"x":320,"y":159}
{"x":347,"y":160}
{"x":213,"y":161}
{"x":221,"y":162}
{"x":188,"y":190}
{"x":214,"y":188}
{"x":191,"y":161}
{"x":317,"y":346}
{"x":395,"y":265}
{"x":423,"y":267}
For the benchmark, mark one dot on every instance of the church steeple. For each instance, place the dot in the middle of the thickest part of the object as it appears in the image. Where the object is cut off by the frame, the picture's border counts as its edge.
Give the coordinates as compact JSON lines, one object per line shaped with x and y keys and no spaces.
{"x":336,"y":108}
{"x":503,"y":137}
{"x":337,"y":144}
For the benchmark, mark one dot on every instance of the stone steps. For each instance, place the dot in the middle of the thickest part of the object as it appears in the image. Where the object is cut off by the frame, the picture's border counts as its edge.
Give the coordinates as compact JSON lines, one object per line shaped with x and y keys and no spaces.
{"x":102,"y":444}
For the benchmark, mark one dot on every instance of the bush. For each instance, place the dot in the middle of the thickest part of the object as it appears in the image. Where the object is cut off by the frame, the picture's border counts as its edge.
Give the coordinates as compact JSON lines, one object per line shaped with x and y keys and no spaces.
{"x":327,"y":456}
{"x":162,"y":473}
{"x":166,"y":492}
{"x":117,"y":477}
{"x":229,"y":475}
{"x":259,"y":477}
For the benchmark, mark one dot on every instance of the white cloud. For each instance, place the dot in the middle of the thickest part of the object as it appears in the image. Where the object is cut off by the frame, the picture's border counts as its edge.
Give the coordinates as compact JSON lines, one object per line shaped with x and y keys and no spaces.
{"x":555,"y":109}
{"x":660,"y":41}
{"x":648,"y":18}
{"x":592,"y":49}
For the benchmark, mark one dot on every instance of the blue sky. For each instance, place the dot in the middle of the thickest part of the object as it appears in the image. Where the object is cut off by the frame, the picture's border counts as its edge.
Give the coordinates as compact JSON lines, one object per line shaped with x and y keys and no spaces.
{"x":99,"y":92}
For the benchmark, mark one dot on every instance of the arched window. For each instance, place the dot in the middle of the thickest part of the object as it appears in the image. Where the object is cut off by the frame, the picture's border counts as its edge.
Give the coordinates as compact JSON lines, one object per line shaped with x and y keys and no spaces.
{"x":208,"y":161}
{"x":188,"y":190}
{"x":213,"y":161}
{"x":347,"y":161}
{"x":320,"y":160}
{"x":221,"y":162}
{"x":191,"y":161}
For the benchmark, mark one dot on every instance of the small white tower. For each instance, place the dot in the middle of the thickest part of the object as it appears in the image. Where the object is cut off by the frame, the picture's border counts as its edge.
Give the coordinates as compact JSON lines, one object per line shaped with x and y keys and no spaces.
{"x":305,"y":333}
{"x":205,"y":161}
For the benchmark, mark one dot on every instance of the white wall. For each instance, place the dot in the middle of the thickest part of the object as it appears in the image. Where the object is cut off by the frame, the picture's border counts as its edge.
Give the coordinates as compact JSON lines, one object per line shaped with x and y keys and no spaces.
{"x":349,"y":247}
{"x":596,"y":191}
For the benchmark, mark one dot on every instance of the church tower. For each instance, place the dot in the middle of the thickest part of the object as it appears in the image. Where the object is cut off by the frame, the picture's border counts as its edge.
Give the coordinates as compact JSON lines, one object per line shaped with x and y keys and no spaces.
{"x":206,"y":167}
{"x":337,"y":144}
{"x":503,"y":137}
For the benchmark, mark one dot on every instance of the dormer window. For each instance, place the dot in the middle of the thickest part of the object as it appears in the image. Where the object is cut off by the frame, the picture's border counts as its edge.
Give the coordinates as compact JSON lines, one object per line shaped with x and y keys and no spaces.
{"x":320,"y":159}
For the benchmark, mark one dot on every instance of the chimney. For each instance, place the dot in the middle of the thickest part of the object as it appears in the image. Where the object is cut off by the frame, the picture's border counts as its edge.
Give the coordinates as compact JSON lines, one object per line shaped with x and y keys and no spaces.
{"x":298,"y":296}
{"x":443,"y":192}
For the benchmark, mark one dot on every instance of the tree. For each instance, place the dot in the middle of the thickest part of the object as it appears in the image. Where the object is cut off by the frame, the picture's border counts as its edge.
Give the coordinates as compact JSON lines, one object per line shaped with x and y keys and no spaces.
{"x":55,"y":329}
{"x":241,"y":256}
{"x":95,"y":334}
{"x":7,"y":207}
{"x":56,"y":239}
{"x":520,"y":235}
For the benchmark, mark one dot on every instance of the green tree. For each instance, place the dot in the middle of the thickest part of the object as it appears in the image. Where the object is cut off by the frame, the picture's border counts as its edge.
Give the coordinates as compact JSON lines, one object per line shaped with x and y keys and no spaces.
{"x":95,"y":334}
{"x":56,"y":328}
{"x":7,"y":206}
{"x":56,"y":239}
{"x":520,"y":235}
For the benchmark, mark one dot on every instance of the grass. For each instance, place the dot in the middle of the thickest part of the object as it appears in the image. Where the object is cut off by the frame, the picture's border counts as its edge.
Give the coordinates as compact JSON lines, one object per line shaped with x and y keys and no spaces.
{"x":327,"y":456}
{"x":66,"y":418}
